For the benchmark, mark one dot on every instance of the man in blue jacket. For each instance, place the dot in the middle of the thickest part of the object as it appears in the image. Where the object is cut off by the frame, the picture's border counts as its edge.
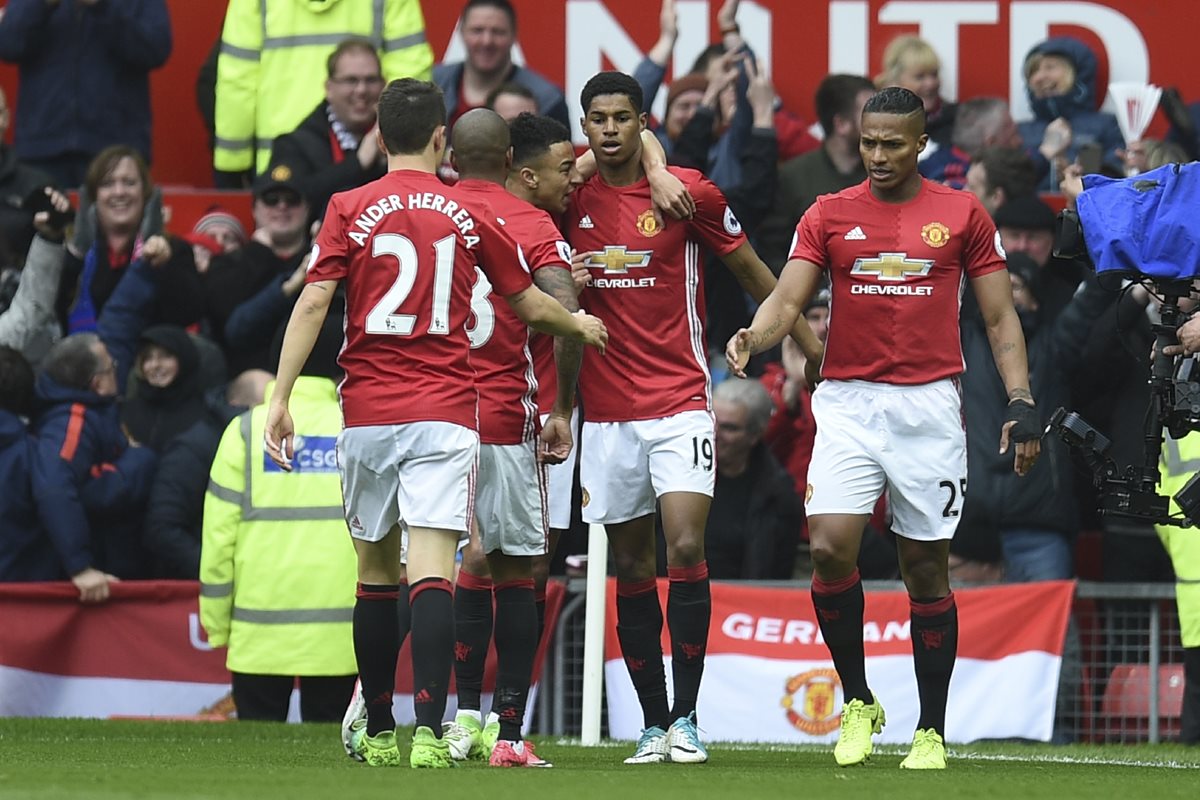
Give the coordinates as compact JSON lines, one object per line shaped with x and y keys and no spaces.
{"x":84,"y":70}
{"x":89,"y":483}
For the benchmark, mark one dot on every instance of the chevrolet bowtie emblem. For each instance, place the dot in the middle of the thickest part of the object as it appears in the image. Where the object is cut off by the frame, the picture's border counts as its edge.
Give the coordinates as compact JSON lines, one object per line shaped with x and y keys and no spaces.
{"x":892,"y":266}
{"x":618,"y":259}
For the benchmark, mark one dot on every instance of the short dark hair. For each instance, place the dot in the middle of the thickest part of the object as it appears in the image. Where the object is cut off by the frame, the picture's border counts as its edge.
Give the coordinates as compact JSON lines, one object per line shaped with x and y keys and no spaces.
{"x":896,"y":100}
{"x":16,"y":382}
{"x":351,"y":45}
{"x":611,"y":83}
{"x":838,"y":94}
{"x":409,"y":112}
{"x":502,"y":5}
{"x":71,"y":362}
{"x":106,"y":161}
{"x":1008,"y":168}
{"x":975,"y":120}
{"x":508,"y":87}
{"x":534,"y":134}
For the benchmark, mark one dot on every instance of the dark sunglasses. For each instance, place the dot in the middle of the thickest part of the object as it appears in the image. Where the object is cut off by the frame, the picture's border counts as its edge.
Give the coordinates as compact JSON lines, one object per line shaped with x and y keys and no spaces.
{"x":277,"y":197}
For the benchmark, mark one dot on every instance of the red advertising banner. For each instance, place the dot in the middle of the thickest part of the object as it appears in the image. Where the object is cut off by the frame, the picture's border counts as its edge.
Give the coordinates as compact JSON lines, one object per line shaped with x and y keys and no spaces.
{"x":768,"y":675}
{"x":981,"y":44}
{"x":143,"y":653}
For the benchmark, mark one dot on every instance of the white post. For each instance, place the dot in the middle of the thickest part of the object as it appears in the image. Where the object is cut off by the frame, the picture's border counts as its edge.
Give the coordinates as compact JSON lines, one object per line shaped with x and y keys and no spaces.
{"x":593,"y":635}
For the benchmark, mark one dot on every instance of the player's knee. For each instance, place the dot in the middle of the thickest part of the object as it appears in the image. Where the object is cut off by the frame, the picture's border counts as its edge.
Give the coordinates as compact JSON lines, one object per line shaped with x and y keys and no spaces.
{"x":685,"y":551}
{"x":634,"y":566}
{"x":926,"y":578}
{"x":831,"y":559}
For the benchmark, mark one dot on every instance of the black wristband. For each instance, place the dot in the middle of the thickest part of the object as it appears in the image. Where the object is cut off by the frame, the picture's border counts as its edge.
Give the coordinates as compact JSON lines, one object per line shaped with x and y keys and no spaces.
{"x":1028,"y":425}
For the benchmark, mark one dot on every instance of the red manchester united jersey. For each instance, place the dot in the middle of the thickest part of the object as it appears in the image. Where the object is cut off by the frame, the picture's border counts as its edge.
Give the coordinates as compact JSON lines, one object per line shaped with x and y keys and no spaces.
{"x":897,"y":273}
{"x":406,"y":245}
{"x":500,"y":346}
{"x":646,"y":287}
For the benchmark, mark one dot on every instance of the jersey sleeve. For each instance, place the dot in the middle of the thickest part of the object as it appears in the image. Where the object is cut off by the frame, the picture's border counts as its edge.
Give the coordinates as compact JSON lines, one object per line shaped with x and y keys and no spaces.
{"x":714,"y":221}
{"x":808,"y":243}
{"x":546,"y":248}
{"x":500,"y":258}
{"x":329,"y":257}
{"x":982,"y":251}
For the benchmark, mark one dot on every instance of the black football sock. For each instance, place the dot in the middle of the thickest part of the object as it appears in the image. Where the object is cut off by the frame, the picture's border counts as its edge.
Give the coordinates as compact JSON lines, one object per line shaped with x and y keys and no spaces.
{"x":473,"y":634}
{"x":934,"y":633}
{"x":539,"y":598}
{"x":405,"y":612}
{"x":639,"y":629}
{"x":432,"y":604}
{"x":689,"y":608}
{"x":839,"y":606}
{"x":377,"y":648}
{"x":516,"y":643}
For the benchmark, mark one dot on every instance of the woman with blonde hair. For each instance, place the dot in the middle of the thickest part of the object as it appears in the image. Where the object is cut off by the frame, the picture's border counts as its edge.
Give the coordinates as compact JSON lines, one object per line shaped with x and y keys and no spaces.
{"x":909,"y":61}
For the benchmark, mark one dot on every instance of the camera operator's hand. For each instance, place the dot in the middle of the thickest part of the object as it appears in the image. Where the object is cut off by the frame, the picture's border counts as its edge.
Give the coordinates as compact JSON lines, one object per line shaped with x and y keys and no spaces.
{"x":1022,"y":426}
{"x":1189,"y":339}
{"x":48,"y":225}
{"x":1071,"y":184}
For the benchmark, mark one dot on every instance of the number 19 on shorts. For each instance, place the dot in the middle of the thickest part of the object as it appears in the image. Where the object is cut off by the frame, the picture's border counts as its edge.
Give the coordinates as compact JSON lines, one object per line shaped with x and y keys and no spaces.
{"x":702,"y":453}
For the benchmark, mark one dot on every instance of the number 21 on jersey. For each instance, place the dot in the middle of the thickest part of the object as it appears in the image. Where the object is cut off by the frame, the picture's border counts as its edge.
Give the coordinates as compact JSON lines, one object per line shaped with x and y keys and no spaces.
{"x":384,"y":318}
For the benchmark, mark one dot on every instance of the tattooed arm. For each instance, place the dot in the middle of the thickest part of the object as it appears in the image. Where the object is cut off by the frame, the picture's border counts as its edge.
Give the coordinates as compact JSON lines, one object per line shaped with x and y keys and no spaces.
{"x":776,"y":317}
{"x":568,"y":353}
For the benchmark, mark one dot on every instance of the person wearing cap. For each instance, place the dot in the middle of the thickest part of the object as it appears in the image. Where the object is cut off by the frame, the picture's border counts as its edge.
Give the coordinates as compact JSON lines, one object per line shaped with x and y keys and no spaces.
{"x":1060,"y":82}
{"x":336,"y":147}
{"x":272,"y":256}
{"x":1026,"y":226}
{"x":217,"y":232}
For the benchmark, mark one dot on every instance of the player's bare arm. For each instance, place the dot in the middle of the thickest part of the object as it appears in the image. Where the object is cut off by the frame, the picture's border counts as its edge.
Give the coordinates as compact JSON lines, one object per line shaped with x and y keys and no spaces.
{"x":568,"y":355}
{"x":667,"y":193}
{"x":776,"y":317}
{"x":542,"y":312}
{"x":756,"y":278}
{"x":994,"y":294}
{"x":303,"y":327}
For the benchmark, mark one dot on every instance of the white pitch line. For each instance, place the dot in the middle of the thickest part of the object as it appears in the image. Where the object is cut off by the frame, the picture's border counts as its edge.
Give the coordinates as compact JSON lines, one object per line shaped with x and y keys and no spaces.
{"x":899,"y":750}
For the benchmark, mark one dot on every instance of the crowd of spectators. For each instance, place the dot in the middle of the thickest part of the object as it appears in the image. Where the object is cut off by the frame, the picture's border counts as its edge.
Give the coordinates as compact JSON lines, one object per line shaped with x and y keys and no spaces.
{"x":146,"y":344}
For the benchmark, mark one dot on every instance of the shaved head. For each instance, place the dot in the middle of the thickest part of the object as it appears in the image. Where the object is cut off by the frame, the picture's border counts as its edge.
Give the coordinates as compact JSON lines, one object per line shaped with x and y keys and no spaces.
{"x":481,"y":143}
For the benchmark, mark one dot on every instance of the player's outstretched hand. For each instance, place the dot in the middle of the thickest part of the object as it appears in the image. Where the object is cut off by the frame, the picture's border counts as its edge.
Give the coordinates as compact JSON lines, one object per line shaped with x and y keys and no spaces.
{"x":279,"y":436}
{"x":556,"y":442}
{"x":737,"y":352}
{"x":156,"y":251}
{"x":669,"y":195}
{"x":594,"y":332}
{"x":1023,"y":428}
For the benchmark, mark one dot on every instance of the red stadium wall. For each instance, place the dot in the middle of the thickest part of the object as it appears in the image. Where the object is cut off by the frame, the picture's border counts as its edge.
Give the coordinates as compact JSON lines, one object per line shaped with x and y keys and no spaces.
{"x":981,"y":42}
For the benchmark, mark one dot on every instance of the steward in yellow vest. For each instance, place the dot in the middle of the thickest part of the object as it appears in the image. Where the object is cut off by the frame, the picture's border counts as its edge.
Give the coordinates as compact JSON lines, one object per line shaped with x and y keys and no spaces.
{"x":277,"y":567}
{"x":1180,"y":461}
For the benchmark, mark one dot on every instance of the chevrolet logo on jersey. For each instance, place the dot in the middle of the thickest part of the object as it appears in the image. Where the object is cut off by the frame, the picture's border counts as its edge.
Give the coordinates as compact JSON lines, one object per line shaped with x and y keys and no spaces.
{"x":892,"y":267}
{"x":617,"y":259}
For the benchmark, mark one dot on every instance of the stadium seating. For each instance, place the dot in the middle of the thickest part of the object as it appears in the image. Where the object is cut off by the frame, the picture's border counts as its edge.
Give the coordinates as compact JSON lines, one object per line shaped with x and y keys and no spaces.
{"x":1126,"y":705}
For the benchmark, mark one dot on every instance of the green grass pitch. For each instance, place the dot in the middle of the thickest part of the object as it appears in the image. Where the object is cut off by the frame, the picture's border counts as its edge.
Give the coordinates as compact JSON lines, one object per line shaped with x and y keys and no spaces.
{"x":44,"y":759}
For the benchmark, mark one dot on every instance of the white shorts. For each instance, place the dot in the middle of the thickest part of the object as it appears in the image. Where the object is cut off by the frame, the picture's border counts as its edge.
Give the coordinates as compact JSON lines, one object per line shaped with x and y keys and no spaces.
{"x":625,"y":466}
{"x":908,"y":440}
{"x":510,"y":500}
{"x":419,"y":474}
{"x":561,"y":479}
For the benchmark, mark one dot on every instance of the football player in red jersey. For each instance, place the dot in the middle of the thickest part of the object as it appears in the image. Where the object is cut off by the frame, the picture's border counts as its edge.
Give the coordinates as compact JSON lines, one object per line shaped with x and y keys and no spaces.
{"x":898,"y":250}
{"x":649,"y":428}
{"x":406,"y":247}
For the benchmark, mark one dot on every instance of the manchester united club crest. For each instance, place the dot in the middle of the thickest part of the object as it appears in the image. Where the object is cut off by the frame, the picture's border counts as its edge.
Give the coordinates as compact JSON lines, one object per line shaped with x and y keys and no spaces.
{"x":281,"y":173}
{"x":808,"y":493}
{"x":586,"y":498}
{"x":811,"y":701}
{"x":648,"y":225}
{"x":935,"y":234}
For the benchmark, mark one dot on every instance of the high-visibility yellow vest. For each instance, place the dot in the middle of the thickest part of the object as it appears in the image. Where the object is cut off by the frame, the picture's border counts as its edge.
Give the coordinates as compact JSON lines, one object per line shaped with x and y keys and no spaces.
{"x":277,"y":566}
{"x":271,"y":70}
{"x":1180,"y":461}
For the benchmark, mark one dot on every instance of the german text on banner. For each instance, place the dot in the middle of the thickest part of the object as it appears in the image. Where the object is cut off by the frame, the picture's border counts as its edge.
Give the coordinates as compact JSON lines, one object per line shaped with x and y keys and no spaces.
{"x":768,"y":676}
